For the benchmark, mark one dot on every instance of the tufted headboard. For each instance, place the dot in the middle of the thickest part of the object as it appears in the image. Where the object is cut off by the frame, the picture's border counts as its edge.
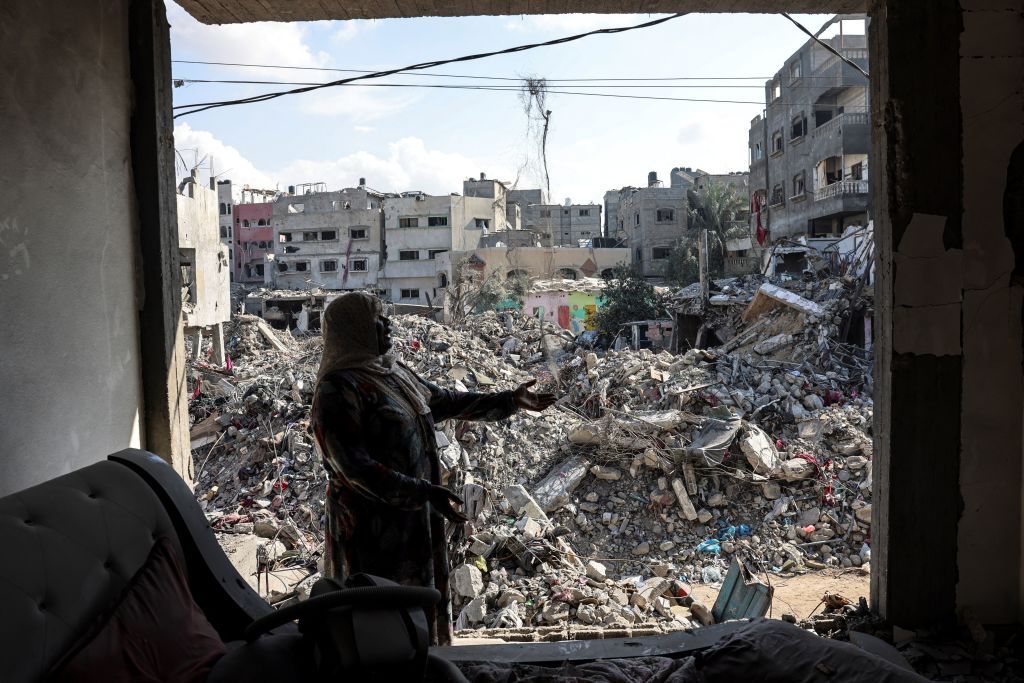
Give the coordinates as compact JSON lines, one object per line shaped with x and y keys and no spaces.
{"x":69,"y":546}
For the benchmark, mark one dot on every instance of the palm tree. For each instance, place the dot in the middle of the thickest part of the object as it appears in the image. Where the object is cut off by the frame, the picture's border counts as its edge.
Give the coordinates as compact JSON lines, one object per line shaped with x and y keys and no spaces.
{"x":717,"y":209}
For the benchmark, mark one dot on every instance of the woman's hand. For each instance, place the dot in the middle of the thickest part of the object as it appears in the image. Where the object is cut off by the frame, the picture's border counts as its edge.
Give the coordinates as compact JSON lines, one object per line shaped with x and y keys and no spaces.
{"x":531,"y":400}
{"x":443,"y":500}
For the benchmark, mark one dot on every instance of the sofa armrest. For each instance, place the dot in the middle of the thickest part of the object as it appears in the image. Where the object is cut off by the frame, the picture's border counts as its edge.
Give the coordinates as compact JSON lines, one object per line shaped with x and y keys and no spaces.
{"x":224,"y":596}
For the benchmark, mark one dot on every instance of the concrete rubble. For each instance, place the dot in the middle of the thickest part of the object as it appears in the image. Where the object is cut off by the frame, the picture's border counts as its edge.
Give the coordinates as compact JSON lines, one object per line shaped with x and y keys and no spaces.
{"x":651,"y":472}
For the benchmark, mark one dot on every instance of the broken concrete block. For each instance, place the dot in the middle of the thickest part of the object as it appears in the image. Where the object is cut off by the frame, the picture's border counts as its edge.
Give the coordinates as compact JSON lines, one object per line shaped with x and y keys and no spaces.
{"x":529,"y":528}
{"x":704,"y":516}
{"x":717,"y":500}
{"x":760,"y":450}
{"x":642,"y":549}
{"x":701,"y":614}
{"x":685,"y":504}
{"x":797,"y":469}
{"x":587,"y":434}
{"x":555,"y":489}
{"x":596,"y":571}
{"x":863,"y":513}
{"x":475,"y":610}
{"x":606,"y":473}
{"x":510,"y":596}
{"x":467,"y":581}
{"x":591,"y":361}
{"x":771,"y":490}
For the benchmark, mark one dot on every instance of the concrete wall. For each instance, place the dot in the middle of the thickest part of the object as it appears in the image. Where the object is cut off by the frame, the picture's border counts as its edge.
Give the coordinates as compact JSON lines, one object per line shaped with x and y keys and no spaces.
{"x":198,"y":231}
{"x":547,"y":262}
{"x":68,"y":249}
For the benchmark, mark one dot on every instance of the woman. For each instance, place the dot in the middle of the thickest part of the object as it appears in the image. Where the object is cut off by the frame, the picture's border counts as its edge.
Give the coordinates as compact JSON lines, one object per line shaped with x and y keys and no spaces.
{"x":374,"y":423}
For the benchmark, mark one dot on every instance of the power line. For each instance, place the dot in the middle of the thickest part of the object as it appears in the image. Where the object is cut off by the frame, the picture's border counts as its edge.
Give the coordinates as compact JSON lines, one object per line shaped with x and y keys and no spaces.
{"x":427,"y":65}
{"x":518,"y":79}
{"x":484,"y":78}
{"x":258,"y":98}
{"x":515,"y":88}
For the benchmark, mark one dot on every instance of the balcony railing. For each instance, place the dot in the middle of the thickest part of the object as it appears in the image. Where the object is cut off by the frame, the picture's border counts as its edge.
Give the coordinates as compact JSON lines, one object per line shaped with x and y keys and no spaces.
{"x":849,"y":53}
{"x":837,"y":122}
{"x":843,"y":187}
{"x":742,"y":265}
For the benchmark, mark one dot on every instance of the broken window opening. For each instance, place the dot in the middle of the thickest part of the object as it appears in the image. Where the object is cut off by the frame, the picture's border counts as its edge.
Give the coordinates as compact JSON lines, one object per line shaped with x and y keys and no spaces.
{"x":357,"y":265}
{"x":777,"y":147}
{"x":297,"y":207}
{"x":301,"y":266}
{"x":481,"y":223}
{"x":660,"y":253}
{"x":410,"y":294}
{"x":799,"y":183}
{"x":798,"y":129}
{"x":327,"y":235}
{"x":584,"y":213}
{"x":357,"y":233}
{"x":310,"y":236}
{"x":442,"y":280}
{"x":437,"y":221}
{"x":409,"y":222}
{"x":409,"y":255}
{"x":284,"y":237}
{"x":666,"y":215}
{"x":778,"y":194}
{"x":329,"y":266}
{"x":432,"y":254}
{"x":261,"y":222}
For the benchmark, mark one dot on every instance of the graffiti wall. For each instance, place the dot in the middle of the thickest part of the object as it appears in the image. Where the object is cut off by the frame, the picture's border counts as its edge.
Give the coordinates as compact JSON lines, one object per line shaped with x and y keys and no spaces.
{"x":570,"y":310}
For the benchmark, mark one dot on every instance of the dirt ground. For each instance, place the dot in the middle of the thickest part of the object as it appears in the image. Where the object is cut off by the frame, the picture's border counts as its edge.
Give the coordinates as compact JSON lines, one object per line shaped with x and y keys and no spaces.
{"x":799,"y":594}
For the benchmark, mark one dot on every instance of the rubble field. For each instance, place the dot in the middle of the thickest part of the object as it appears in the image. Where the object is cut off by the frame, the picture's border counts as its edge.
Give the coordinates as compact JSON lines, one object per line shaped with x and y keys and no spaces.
{"x":610,"y":512}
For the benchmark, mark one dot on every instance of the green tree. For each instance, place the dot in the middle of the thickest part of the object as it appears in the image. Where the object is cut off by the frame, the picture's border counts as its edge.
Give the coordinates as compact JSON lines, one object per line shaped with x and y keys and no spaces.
{"x":719,"y":210}
{"x":627,"y":297}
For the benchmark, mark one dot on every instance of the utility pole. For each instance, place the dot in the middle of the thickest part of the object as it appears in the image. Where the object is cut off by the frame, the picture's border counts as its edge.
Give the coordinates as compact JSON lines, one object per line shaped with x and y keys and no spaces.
{"x":702,"y":263}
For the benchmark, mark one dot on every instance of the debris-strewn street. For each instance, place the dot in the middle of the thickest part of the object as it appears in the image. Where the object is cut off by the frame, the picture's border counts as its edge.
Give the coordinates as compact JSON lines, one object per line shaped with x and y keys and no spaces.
{"x":649,"y":476}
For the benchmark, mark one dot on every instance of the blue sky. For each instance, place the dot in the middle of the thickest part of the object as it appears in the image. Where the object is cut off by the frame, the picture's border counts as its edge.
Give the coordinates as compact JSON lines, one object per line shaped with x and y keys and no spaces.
{"x":429,"y":139}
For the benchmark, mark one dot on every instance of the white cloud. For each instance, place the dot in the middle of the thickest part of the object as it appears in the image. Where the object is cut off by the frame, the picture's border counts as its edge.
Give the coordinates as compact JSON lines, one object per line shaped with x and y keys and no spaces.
{"x":357,"y":103}
{"x":574,"y":23}
{"x":228,"y":161}
{"x":407,"y":165}
{"x":256,"y":43}
{"x":349,"y":30}
{"x":363,"y":129}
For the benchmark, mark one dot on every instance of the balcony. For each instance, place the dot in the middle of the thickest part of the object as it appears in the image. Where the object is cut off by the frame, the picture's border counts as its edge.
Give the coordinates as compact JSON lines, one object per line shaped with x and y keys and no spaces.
{"x":837,"y":123}
{"x":841,"y":189}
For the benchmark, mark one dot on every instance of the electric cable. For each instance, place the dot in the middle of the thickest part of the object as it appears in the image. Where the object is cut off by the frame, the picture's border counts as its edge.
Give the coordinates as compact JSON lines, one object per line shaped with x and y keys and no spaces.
{"x":193,"y":109}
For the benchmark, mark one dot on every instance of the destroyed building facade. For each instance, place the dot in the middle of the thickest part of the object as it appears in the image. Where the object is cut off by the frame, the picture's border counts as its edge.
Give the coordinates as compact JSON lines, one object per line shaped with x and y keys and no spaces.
{"x":204,"y":264}
{"x":327,"y":239}
{"x":809,"y":151}
{"x":225,"y":217}
{"x":254,"y":239}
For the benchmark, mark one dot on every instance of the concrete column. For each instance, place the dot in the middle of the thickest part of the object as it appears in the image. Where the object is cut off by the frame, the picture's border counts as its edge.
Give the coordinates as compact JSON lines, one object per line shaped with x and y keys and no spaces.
{"x":219,"y":357}
{"x":196,"y":334}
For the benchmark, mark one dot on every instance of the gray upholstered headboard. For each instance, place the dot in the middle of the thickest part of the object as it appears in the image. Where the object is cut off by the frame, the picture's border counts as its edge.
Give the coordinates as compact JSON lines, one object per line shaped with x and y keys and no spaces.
{"x":67,"y":549}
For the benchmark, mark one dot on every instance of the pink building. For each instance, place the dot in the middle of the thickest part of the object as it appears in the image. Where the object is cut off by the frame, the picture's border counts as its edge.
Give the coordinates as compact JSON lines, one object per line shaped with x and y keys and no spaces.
{"x":254,"y":237}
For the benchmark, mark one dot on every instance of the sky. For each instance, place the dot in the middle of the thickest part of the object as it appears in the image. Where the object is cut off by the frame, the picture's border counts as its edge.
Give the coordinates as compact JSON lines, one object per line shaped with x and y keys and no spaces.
{"x":427,"y":139}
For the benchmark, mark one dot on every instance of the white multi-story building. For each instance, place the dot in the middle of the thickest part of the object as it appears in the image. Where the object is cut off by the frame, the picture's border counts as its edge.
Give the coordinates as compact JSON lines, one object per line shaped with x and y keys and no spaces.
{"x":225,"y":216}
{"x":417,"y":229}
{"x":325,"y":239}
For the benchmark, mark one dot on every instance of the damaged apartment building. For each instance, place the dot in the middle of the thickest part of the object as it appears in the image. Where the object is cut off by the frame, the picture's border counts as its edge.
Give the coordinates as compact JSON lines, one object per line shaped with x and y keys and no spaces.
{"x":557,"y":225}
{"x":809,"y":150}
{"x":329,"y":240}
{"x":651,"y":220}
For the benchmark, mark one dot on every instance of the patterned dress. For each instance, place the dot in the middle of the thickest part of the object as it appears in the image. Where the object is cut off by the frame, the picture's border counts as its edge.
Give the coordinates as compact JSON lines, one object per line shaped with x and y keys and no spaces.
{"x":381,"y":458}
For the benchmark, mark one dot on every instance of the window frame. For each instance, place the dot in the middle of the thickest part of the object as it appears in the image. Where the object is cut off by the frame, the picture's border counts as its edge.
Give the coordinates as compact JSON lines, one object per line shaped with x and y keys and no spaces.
{"x":435,"y":221}
{"x":409,"y":221}
{"x":352,"y":265}
{"x":326,"y":262}
{"x":364,"y":236}
{"x":403,"y":252}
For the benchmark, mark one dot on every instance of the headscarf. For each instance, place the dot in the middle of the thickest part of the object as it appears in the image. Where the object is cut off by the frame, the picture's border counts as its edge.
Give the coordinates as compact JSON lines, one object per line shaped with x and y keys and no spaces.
{"x":350,"y":343}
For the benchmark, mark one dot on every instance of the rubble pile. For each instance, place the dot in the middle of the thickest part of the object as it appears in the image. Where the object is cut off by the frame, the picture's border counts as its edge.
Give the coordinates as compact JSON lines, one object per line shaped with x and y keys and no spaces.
{"x":651,"y":473}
